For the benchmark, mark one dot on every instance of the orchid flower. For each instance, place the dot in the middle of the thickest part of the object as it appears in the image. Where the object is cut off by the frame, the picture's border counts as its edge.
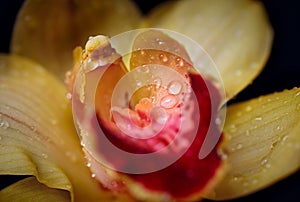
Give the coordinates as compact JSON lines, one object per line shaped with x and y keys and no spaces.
{"x":259,"y":141}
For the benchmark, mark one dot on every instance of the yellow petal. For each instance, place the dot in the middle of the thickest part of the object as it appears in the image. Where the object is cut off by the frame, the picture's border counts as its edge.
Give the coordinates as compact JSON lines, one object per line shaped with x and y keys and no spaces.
{"x":37,"y":136}
{"x":236,"y":34}
{"x":263,"y":143}
{"x":30,"y":189}
{"x":47,"y":31}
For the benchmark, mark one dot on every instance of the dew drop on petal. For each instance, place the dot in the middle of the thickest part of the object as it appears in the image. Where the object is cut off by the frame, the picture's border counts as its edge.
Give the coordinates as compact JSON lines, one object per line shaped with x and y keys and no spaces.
{"x":285,"y":138}
{"x":157,"y":82}
{"x":4,"y":124}
{"x":248,"y":108}
{"x":44,"y":155}
{"x":238,"y":73}
{"x":239,"y":146}
{"x":138,"y":83}
{"x":168,"y":102}
{"x":82,"y":144}
{"x":254,"y":181}
{"x":264,"y":161}
{"x":69,"y":96}
{"x":174,"y":87}
{"x":237,"y":178}
{"x":114,"y":184}
{"x":232,"y":128}
{"x":163,"y":58}
{"x":258,"y":119}
{"x":222,"y":154}
{"x":218,"y":121}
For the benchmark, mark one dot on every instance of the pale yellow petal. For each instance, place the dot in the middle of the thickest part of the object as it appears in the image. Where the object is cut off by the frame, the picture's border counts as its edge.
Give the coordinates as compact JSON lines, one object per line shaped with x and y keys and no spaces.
{"x":235,"y":33}
{"x":263,"y":143}
{"x":47,"y":31}
{"x":37,"y":136}
{"x":30,"y":189}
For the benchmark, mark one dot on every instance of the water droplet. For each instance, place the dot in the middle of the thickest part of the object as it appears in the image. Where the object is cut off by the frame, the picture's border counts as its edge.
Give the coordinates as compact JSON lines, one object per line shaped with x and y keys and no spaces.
{"x":157,"y":82}
{"x":258,"y":119}
{"x":278,"y":128}
{"x":180,"y":62}
{"x":114,"y":184}
{"x":138,"y":83}
{"x":44,"y":155}
{"x":239,"y":146}
{"x":237,"y":178}
{"x":69,"y":96}
{"x":143,"y":52}
{"x":88,"y":164}
{"x":238,"y":72}
{"x":239,"y":113}
{"x":33,"y":128}
{"x":222,"y":154}
{"x":82,"y":144}
{"x":168,"y":101}
{"x":4,"y":124}
{"x":158,"y":40}
{"x":232,"y":128}
{"x":297,"y":94}
{"x":93,"y":175}
{"x":248,"y":108}
{"x":163,"y":58}
{"x":285,"y":138}
{"x":218,"y":121}
{"x":254,"y":181}
{"x":264,"y":161}
{"x":174,"y":87}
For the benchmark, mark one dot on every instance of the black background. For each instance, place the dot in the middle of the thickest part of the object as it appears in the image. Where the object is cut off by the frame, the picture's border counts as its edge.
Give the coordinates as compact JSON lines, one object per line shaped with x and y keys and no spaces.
{"x":281,"y":72}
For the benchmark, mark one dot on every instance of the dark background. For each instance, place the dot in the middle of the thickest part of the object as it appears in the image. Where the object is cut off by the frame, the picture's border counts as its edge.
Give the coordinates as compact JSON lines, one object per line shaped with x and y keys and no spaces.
{"x":281,"y":72}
